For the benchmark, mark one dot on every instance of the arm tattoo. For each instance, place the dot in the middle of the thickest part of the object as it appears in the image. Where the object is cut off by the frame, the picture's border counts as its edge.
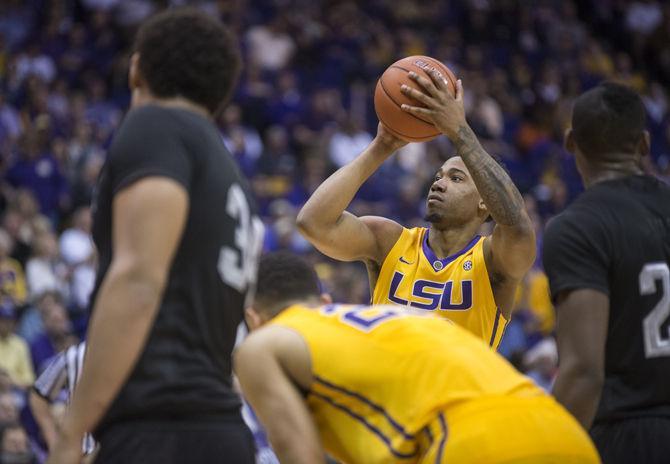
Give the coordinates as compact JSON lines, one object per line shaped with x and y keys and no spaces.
{"x":499,"y":193}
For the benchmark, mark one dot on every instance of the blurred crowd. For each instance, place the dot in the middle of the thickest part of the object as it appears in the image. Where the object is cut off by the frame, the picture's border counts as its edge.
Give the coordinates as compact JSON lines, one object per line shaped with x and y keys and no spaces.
{"x":303,"y":108}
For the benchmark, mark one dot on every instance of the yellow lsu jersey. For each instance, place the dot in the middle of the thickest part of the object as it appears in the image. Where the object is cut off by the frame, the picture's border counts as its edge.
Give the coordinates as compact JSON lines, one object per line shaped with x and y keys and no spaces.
{"x":456,"y":287}
{"x":383,"y":375}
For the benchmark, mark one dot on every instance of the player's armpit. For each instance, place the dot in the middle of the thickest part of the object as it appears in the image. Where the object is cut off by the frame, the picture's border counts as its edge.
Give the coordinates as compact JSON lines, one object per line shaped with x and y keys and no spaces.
{"x":277,"y":401}
{"x":354,"y":238}
{"x":509,"y":253}
{"x":582,"y":320}
{"x":512,"y":249}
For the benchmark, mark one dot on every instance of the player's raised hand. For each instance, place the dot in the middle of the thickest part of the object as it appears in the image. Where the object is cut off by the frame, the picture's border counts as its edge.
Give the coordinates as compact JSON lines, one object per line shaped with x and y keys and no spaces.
{"x":440,"y":107}
{"x":385,"y":137}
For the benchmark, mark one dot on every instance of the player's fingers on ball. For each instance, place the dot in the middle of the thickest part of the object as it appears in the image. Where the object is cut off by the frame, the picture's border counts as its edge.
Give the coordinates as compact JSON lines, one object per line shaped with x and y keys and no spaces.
{"x":417,"y":111}
{"x":415,"y":94}
{"x":426,"y":84}
{"x":438,"y":80}
{"x":459,"y":90}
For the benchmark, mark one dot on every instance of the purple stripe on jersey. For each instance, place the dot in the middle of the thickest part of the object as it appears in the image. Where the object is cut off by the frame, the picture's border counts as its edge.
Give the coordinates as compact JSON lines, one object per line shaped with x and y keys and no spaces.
{"x":370,"y":427}
{"x":429,"y":434}
{"x":502,"y":335}
{"x":495,"y":327}
{"x":365,"y":400}
{"x":432,"y":258}
{"x":443,"y":440}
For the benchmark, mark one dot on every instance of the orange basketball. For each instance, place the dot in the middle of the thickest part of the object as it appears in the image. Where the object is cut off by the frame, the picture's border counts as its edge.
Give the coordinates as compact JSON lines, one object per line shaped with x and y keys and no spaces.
{"x":388,"y":97}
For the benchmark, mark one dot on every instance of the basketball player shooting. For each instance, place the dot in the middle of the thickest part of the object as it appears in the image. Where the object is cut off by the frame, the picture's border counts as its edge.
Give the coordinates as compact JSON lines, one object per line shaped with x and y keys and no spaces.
{"x":447,"y":266}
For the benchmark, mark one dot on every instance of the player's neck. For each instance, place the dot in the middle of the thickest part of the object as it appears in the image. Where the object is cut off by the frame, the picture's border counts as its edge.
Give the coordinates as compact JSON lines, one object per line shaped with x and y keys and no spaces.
{"x":595,"y":173}
{"x":278,"y":307}
{"x":141,"y":98}
{"x":446,"y":242}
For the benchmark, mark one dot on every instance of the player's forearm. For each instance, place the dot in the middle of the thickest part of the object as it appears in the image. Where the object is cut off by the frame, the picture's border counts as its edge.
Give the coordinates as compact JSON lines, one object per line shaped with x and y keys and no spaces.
{"x":326,"y":205}
{"x":291,"y":431}
{"x":578,"y":393}
{"x":41,"y":410}
{"x":500,"y":195}
{"x":295,"y":450}
{"x":123,"y":314}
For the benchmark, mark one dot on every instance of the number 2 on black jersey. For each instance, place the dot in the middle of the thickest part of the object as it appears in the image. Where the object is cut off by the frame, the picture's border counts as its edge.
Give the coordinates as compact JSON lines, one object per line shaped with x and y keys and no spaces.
{"x":656,"y":344}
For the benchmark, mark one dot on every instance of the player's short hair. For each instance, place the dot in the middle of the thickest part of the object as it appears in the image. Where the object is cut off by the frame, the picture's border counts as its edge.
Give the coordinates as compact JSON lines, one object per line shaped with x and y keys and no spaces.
{"x":608,"y":118}
{"x":284,"y":277}
{"x":184,"y":52}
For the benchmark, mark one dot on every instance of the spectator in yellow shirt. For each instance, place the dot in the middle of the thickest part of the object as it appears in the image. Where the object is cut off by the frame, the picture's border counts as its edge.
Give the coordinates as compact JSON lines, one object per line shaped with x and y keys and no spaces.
{"x":533,"y":295}
{"x":12,"y":279}
{"x":14,"y":353}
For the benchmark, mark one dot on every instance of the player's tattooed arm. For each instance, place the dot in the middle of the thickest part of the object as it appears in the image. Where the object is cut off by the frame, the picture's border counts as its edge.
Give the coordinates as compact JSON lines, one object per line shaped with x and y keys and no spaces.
{"x":499,"y":193}
{"x":447,"y":112}
{"x":511,"y":248}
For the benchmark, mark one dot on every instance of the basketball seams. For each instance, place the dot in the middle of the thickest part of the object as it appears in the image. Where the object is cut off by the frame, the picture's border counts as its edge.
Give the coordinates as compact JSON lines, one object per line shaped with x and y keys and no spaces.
{"x":389,"y":100}
{"x":399,"y":67}
{"x":381,"y":82}
{"x":407,"y":138}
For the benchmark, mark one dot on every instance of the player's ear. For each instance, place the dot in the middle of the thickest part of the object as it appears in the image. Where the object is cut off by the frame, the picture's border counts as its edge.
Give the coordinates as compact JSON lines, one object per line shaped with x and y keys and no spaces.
{"x":253,"y":319}
{"x":644,"y":146}
{"x":569,"y":141}
{"x":134,"y":77}
{"x":482,"y":210}
{"x":326,"y":298}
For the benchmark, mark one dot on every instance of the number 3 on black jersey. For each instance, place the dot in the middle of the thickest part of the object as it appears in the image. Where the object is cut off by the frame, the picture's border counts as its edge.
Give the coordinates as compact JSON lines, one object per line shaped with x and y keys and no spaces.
{"x":238,"y":264}
{"x":656,"y":344}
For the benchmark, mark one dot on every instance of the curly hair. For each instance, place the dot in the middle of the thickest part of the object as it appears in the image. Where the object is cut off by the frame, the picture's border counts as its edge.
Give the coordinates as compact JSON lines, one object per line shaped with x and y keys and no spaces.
{"x":183,"y":52}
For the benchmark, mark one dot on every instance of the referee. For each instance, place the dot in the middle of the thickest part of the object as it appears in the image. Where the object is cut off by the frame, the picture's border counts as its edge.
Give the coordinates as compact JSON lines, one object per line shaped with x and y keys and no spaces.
{"x":63,"y":372}
{"x":178,"y":241}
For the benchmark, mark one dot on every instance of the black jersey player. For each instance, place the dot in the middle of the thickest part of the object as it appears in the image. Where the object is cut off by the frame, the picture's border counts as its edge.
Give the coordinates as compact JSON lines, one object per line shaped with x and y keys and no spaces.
{"x":178,"y":242}
{"x":607,"y":259}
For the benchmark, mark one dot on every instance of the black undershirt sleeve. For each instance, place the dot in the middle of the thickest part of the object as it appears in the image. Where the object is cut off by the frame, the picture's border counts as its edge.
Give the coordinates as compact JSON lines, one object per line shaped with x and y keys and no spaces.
{"x":146,"y":147}
{"x":575,"y":254}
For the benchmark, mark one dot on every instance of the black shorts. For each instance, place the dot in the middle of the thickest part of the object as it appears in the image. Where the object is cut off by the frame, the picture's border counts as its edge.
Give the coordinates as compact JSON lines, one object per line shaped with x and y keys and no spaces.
{"x":636,"y":440}
{"x":177,"y":442}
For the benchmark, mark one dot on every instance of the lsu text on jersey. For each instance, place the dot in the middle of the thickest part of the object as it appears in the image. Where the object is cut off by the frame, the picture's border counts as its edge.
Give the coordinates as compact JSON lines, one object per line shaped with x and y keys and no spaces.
{"x":456,"y":287}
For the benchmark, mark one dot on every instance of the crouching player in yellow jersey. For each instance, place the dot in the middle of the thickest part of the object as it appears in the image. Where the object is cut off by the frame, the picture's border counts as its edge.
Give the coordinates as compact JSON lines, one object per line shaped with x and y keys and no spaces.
{"x":447,"y":268}
{"x":381,"y":384}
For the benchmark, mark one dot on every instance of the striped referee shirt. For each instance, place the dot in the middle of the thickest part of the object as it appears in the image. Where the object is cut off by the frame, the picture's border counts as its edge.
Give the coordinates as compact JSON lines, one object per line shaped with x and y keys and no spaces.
{"x":62,"y":372}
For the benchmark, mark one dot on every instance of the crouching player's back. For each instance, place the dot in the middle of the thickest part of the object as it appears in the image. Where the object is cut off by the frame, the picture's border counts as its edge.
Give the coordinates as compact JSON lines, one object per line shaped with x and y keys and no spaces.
{"x":380,"y":384}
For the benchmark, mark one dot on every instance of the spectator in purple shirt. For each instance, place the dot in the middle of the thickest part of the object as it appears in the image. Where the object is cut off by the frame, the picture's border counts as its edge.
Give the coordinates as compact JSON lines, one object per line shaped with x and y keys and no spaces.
{"x":57,"y":336}
{"x":38,"y":171}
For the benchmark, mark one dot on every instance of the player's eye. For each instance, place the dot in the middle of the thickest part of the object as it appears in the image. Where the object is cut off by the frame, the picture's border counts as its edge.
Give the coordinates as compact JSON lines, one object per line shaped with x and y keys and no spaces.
{"x":437,"y":178}
{"x":456,"y":179}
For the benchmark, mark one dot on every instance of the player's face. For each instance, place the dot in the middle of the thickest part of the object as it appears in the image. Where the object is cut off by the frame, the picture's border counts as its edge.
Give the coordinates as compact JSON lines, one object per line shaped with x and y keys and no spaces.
{"x":453,"y":198}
